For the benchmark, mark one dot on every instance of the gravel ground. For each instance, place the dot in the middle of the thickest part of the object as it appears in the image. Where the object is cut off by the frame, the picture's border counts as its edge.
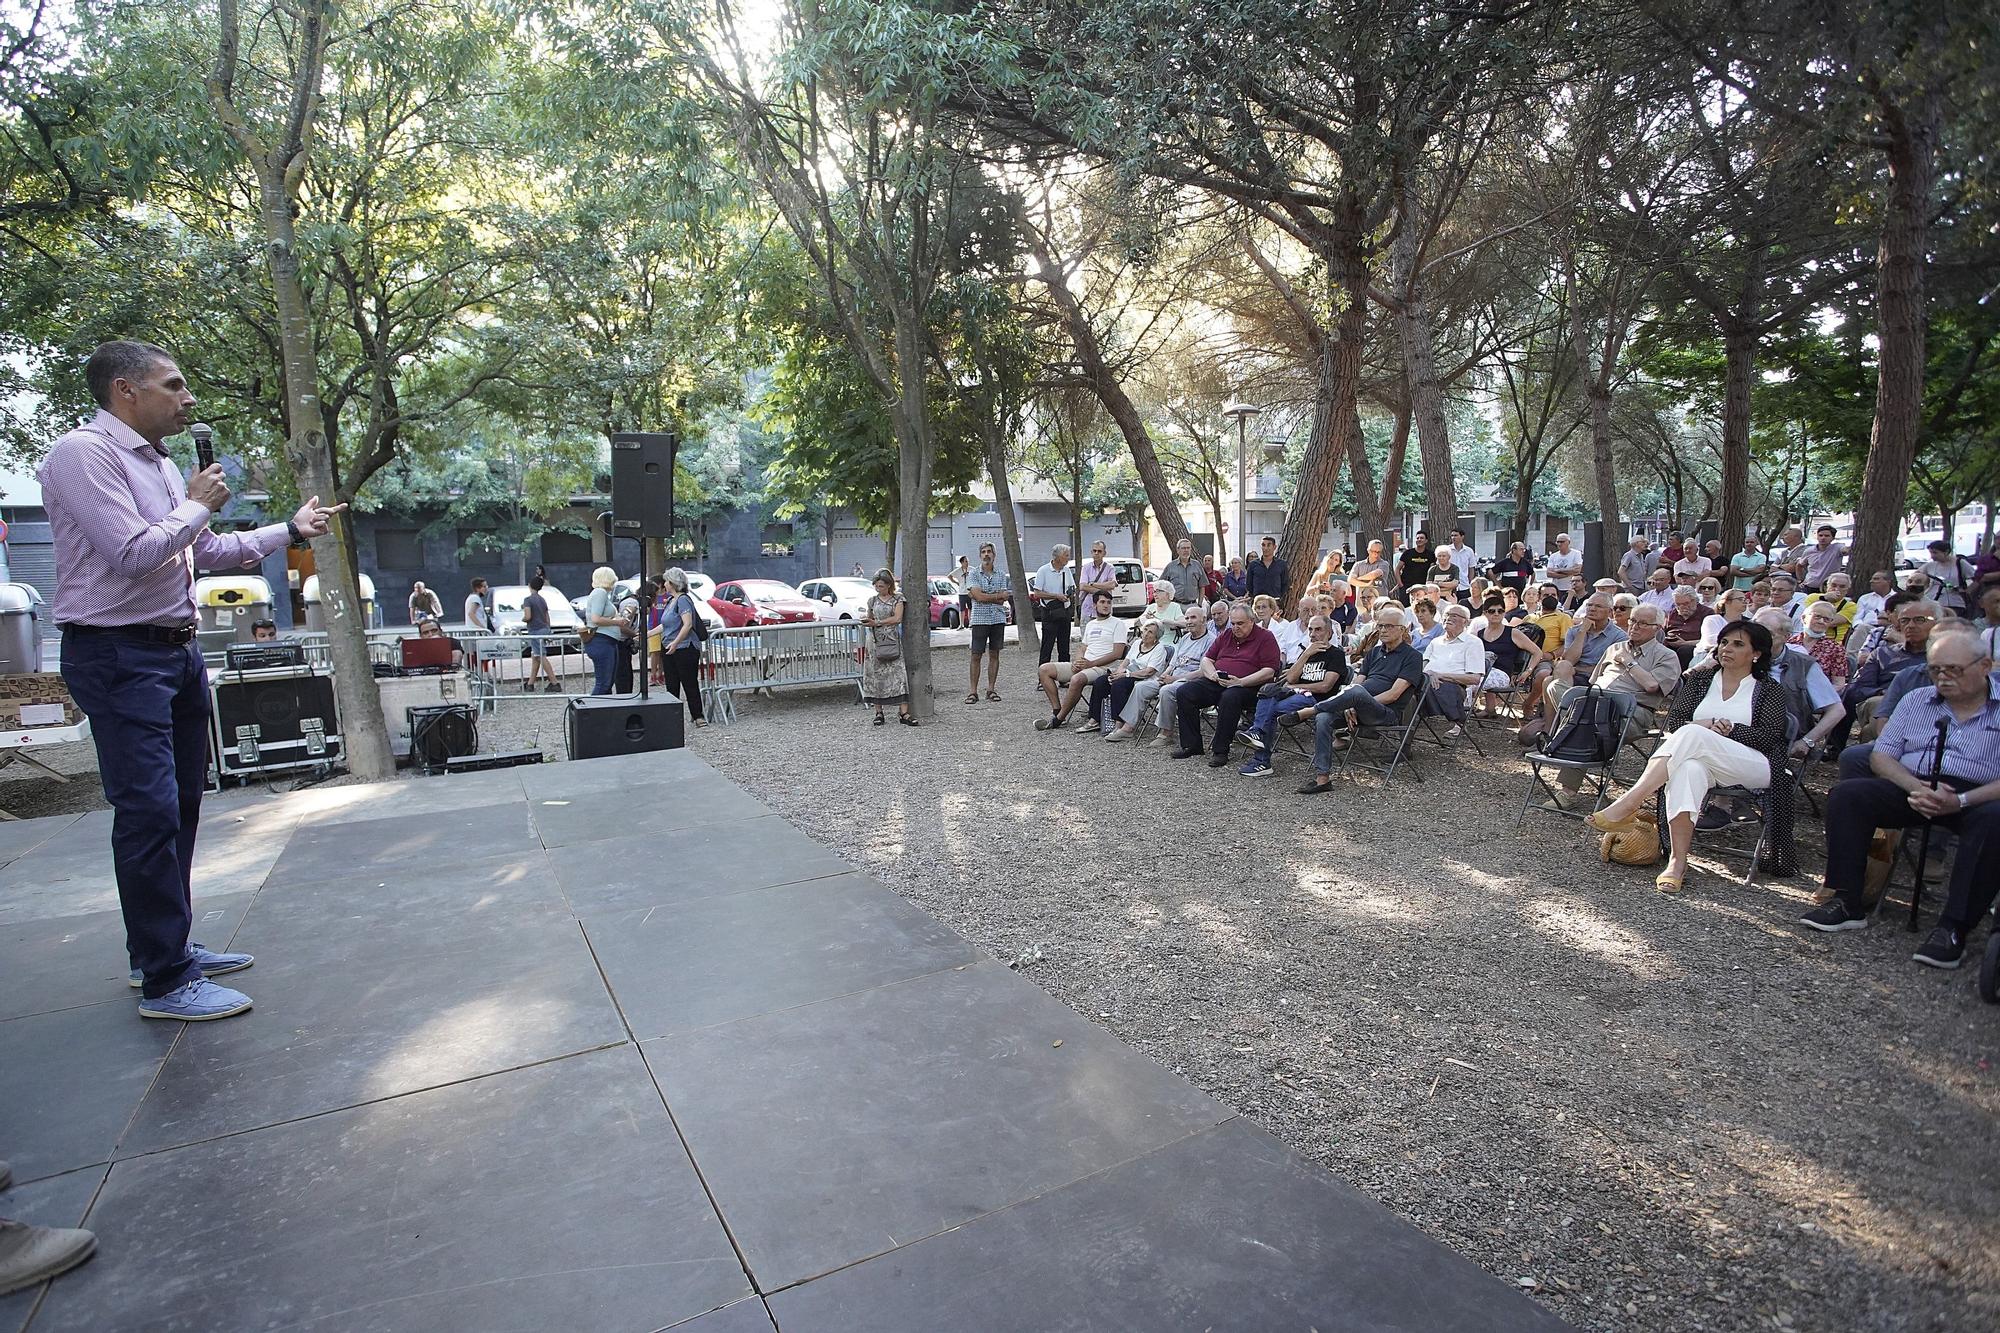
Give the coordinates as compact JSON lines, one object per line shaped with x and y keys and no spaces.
{"x":1654,"y":1113}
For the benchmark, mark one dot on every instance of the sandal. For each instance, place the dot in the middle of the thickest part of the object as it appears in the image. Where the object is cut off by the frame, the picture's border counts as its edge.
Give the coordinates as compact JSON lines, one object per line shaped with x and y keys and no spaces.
{"x":906,"y":720}
{"x":1597,"y":821}
{"x":1668,"y":883}
{"x":879,"y":719}
{"x":972,"y":698}
{"x":992,"y":697}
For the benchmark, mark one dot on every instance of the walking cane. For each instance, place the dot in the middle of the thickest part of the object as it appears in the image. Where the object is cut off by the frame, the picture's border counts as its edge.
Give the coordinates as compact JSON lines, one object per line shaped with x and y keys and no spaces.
{"x":1924,"y":842}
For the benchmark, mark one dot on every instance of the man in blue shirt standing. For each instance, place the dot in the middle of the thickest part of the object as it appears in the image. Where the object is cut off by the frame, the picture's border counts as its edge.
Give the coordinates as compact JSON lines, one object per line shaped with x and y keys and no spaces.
{"x":989,"y":591}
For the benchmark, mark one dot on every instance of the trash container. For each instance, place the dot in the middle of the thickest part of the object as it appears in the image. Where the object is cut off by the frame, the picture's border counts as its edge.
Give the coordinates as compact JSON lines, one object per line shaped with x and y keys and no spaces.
{"x":232,"y":602}
{"x":20,"y":645}
{"x":316,"y":614}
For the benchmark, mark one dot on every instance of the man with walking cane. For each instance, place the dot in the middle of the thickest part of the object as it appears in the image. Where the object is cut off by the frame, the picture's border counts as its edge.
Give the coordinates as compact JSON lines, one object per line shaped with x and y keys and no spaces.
{"x":1937,"y":763}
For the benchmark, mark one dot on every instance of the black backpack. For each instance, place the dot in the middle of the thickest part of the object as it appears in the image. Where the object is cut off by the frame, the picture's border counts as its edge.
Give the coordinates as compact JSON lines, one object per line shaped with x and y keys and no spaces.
{"x":700,"y":624}
{"x":1586,"y":728}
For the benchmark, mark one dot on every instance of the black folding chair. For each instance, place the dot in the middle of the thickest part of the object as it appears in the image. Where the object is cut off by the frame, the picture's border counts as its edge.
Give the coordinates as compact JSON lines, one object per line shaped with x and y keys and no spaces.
{"x":1598,"y":773}
{"x":1367,"y":746}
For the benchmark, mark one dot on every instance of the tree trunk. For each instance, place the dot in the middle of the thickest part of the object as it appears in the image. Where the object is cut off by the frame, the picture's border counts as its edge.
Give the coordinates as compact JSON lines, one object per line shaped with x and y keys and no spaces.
{"x":915,"y":454}
{"x":308,"y":449}
{"x":1336,"y":427}
{"x":1899,"y":332}
{"x":1117,"y":403}
{"x":1739,"y":350}
{"x":1392,"y":469}
{"x":363,"y":732}
{"x":1600,"y":450}
{"x":1413,"y":332}
{"x":1010,"y":540}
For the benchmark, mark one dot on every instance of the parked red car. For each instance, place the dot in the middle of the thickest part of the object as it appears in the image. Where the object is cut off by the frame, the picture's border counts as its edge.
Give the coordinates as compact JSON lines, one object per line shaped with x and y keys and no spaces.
{"x":947,"y":612}
{"x":768,"y":601}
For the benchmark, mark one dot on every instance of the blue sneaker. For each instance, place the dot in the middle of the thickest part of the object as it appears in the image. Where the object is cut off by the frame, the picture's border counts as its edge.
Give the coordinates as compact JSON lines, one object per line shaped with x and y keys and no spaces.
{"x":1259,"y":767}
{"x":213,"y":964}
{"x":196,"y":1002}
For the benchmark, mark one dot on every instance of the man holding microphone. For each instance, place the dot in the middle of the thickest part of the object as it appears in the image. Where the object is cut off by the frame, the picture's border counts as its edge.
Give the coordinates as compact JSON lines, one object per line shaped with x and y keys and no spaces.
{"x":129,"y":537}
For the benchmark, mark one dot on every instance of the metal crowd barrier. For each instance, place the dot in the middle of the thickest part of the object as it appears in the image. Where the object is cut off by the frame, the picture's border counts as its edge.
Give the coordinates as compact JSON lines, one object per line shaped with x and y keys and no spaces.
{"x":772,"y":657}
{"x":493,"y":661}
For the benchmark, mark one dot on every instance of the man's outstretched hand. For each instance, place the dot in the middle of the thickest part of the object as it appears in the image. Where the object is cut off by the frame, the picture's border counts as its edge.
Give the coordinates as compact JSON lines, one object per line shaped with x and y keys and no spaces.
{"x":313,"y":518}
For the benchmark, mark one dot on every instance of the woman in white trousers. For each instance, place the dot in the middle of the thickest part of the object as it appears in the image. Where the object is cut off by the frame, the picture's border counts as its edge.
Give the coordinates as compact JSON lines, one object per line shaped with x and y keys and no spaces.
{"x":1729,"y":729}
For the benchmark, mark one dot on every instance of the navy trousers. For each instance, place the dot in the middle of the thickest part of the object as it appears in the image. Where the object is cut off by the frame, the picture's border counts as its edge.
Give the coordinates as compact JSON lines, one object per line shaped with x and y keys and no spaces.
{"x":148,"y":710}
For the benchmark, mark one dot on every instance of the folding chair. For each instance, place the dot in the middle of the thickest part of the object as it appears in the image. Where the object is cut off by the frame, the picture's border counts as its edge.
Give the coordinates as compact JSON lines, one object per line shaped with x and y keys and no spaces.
{"x":1517,"y":686}
{"x":1599,"y":774}
{"x":1366,"y":751}
{"x":1427,"y":715}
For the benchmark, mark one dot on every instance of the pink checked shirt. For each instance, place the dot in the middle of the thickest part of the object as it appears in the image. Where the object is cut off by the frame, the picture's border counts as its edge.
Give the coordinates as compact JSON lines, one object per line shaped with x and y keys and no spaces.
{"x":128,"y":539}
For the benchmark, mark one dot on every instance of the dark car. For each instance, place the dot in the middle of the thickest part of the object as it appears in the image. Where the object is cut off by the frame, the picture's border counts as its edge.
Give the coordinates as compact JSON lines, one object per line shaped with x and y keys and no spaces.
{"x":769,"y":601}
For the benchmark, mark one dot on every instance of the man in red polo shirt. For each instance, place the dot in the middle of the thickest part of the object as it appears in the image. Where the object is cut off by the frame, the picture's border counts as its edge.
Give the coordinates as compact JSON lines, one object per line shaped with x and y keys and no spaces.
{"x":1233,"y":669}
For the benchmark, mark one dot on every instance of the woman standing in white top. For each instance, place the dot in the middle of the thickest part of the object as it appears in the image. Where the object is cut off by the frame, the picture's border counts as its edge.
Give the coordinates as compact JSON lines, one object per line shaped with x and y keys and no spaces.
{"x":1729,"y":725}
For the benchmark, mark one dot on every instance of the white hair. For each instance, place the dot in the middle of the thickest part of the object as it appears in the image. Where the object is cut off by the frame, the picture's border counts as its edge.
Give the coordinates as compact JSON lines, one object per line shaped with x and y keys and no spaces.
{"x":603,"y":576}
{"x":676,"y":578}
{"x":1390,"y":615}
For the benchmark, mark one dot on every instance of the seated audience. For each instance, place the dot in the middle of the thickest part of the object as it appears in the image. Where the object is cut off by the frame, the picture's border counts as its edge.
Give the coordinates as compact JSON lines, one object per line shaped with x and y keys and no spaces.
{"x":1183,"y":664}
{"x":1682,"y":628}
{"x":1454,"y":662}
{"x":1819,"y":635}
{"x":1389,"y":672}
{"x":1659,"y":591}
{"x":1144,"y":659}
{"x":1836,"y":596}
{"x":1165,"y":612}
{"x":1809,"y":693}
{"x":1240,"y":662}
{"x":1515,"y":651}
{"x":1582,"y":648}
{"x":1912,"y":623}
{"x":1733,"y":606}
{"x":1868,"y":606}
{"x":1622,"y":606}
{"x":1729,"y":727}
{"x":1236,"y":579}
{"x":1423,"y":611}
{"x":1904,"y":788}
{"x":1319,"y":671}
{"x":1103,"y":646}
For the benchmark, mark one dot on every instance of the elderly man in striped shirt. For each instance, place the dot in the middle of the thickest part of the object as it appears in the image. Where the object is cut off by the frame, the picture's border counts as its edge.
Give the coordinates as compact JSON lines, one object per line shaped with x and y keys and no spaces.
{"x":1910,"y":786}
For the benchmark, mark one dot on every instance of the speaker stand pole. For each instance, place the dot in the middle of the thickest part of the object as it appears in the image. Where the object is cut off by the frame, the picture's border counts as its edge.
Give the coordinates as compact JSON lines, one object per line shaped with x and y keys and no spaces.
{"x":645,"y":632}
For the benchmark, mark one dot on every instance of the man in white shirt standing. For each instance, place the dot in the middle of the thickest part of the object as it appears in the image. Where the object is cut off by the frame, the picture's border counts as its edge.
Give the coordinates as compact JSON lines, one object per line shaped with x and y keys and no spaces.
{"x":1454,"y":662}
{"x":1462,"y":559}
{"x":1053,"y":592}
{"x":1562,"y":567}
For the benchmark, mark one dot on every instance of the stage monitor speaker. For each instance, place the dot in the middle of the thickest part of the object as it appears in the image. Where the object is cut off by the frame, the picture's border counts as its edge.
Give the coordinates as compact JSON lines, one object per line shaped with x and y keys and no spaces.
{"x":642,"y":484}
{"x":620,"y":724}
{"x":281,"y":717}
{"x":440,"y":733}
{"x":1603,"y":548}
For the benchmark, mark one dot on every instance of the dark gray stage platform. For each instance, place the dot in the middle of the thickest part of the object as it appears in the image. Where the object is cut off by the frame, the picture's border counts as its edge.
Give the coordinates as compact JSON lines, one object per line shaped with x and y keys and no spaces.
{"x":610,"y":1046}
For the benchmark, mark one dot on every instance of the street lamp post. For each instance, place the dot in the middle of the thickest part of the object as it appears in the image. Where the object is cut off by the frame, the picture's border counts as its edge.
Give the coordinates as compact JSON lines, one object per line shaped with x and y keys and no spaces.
{"x":1242,"y":411}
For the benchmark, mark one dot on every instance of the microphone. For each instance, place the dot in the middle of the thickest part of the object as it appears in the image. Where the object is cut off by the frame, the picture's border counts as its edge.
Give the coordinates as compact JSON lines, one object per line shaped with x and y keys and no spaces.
{"x":204,"y":443}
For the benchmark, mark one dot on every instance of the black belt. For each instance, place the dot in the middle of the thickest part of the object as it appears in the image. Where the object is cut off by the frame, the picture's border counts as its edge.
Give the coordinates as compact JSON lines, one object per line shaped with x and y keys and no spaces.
{"x":168,"y":634}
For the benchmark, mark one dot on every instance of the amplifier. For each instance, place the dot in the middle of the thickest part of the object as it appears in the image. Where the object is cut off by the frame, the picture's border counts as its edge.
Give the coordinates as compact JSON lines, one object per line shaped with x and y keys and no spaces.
{"x":276,"y":717}
{"x":258,"y":656}
{"x":609,"y":724}
{"x":441,"y":733}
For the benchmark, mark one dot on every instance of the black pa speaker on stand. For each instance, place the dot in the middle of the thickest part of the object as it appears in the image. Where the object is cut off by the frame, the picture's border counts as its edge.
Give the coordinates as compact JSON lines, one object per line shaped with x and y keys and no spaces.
{"x":609,"y":724}
{"x":642,"y":483}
